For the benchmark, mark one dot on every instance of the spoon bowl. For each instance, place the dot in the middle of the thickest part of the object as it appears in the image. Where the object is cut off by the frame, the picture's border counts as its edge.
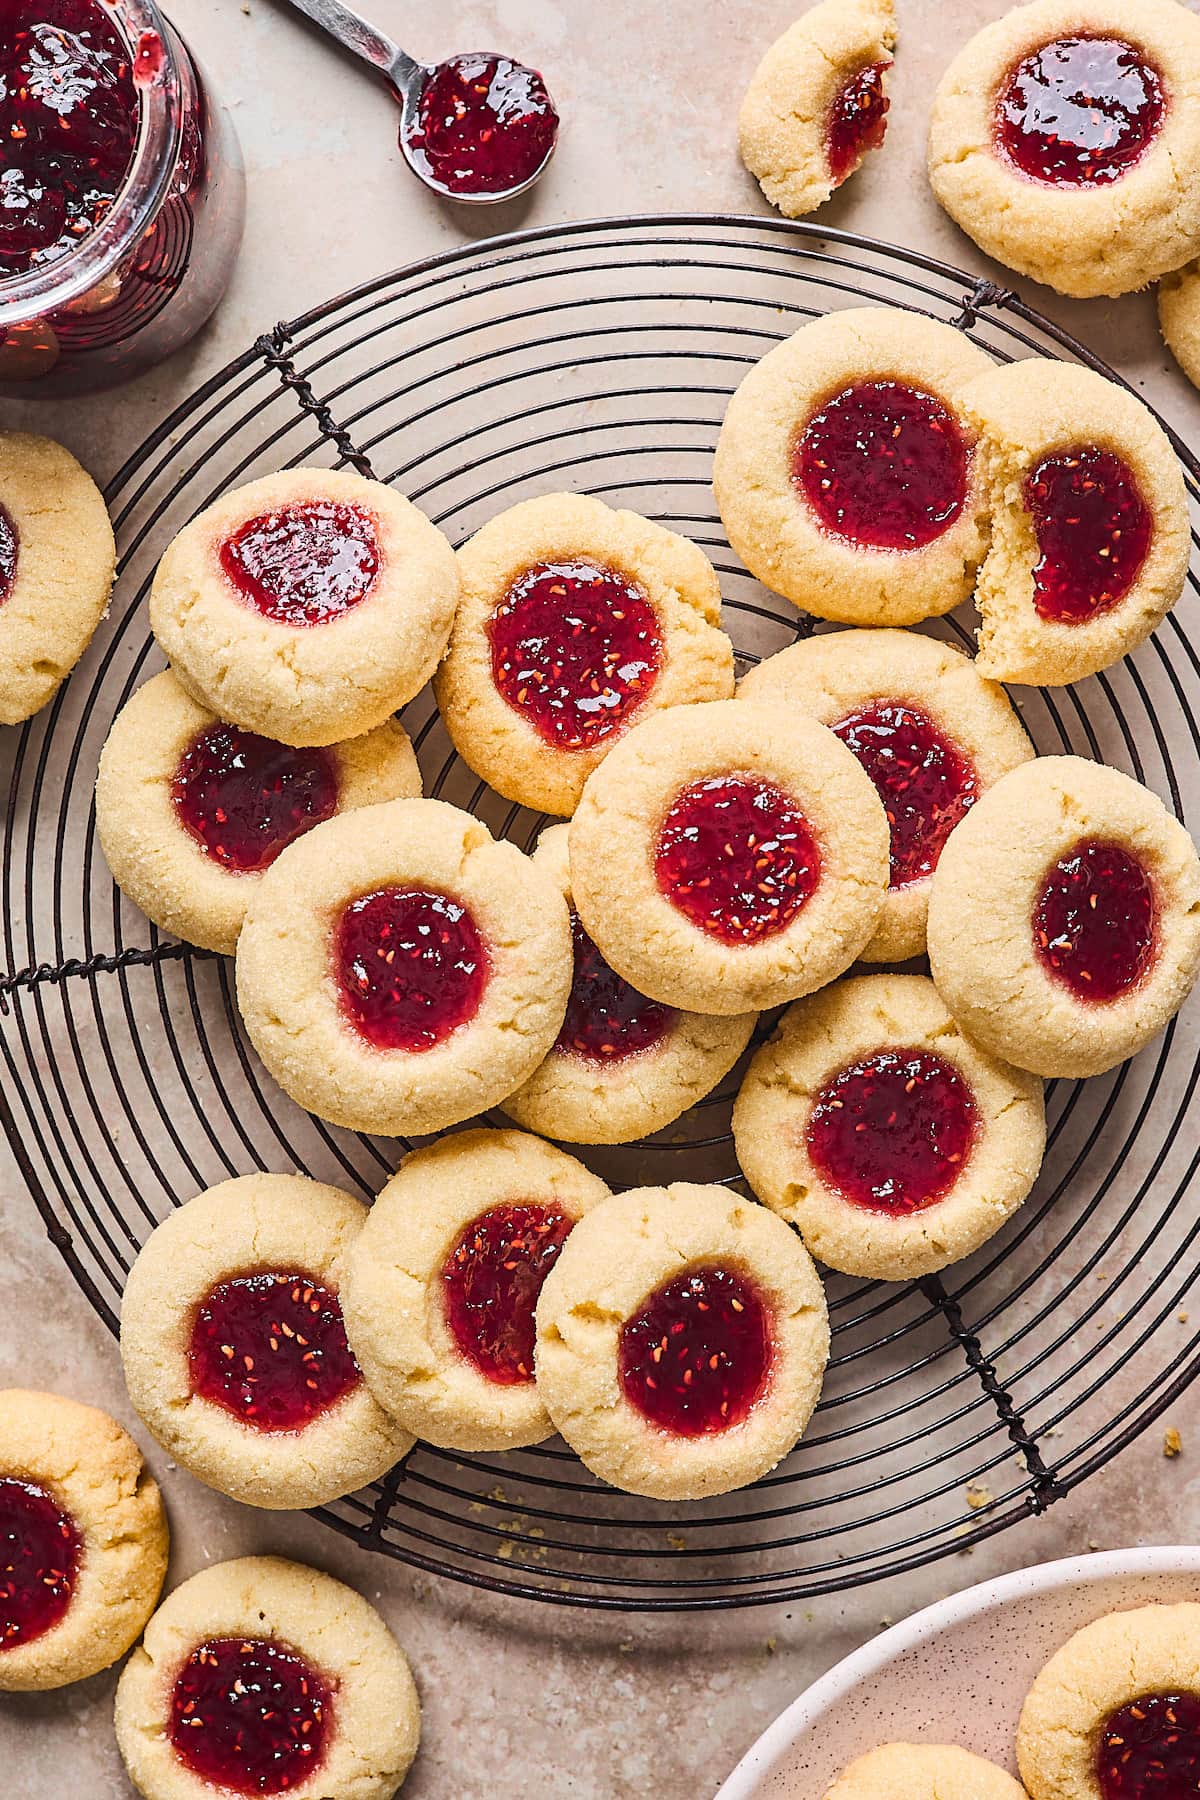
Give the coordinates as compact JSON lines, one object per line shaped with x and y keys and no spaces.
{"x":424,"y":85}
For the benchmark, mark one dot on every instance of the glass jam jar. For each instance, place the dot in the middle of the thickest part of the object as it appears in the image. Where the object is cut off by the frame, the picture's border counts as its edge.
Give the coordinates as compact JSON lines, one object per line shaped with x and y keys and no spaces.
{"x":154,"y":257}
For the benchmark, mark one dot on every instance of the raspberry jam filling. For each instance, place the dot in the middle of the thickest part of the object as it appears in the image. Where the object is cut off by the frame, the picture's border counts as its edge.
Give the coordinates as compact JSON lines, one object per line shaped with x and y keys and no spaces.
{"x":738,"y":858}
{"x":575,"y":650}
{"x":1080,"y":111}
{"x":250,"y":1715}
{"x":484,"y":125}
{"x":244,"y":798}
{"x":884,"y":465}
{"x":607,"y":1019}
{"x":857,"y":121}
{"x":490,"y":1285}
{"x":893,"y":1132}
{"x":1150,"y":1749}
{"x":925,"y":782}
{"x":270,"y":1348}
{"x":1093,"y":530}
{"x":304,"y":564}
{"x":696,"y":1357}
{"x":1094,"y":920}
{"x":69,"y":119}
{"x":40,"y":1548}
{"x":411,"y":967}
{"x":9,"y":547}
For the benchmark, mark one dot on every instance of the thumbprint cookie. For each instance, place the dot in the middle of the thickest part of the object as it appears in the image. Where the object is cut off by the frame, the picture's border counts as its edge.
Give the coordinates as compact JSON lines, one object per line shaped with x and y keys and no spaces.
{"x":932,"y":734}
{"x":575,"y":621}
{"x":191,"y":810}
{"x":1179,"y":318}
{"x":924,"y":1772}
{"x":306,"y":606}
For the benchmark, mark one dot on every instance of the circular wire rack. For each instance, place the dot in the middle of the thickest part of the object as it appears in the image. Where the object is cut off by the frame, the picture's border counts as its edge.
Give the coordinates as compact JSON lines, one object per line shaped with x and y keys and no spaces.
{"x":599,"y":357}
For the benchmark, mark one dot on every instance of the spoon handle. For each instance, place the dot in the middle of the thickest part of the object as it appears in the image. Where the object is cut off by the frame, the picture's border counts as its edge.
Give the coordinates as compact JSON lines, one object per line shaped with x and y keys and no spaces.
{"x":355,"y":34}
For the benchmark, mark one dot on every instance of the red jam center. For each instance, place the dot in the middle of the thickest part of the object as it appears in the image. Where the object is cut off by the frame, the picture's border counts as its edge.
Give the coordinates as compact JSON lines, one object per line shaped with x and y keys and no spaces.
{"x":857,"y":121}
{"x":9,"y":547}
{"x":575,"y":649}
{"x":411,"y":966}
{"x":738,"y":858}
{"x":884,"y":465}
{"x":1080,"y":111}
{"x":491,"y":1281}
{"x":1093,"y":530}
{"x":250,"y":1715}
{"x":1094,"y":921}
{"x":484,"y":125}
{"x":926,"y":783}
{"x":39,"y":1560}
{"x":271,"y":1349}
{"x":305,"y":564}
{"x":893,"y":1132}
{"x":696,"y":1358}
{"x":607,"y":1019}
{"x":245,"y":798}
{"x":69,"y":121}
{"x":1150,"y":1749}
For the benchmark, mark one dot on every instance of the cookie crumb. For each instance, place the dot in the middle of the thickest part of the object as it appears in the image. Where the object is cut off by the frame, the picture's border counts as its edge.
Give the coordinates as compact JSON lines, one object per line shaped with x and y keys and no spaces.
{"x":676,"y":1541}
{"x":979,"y":1495}
{"x":1172,"y":1442}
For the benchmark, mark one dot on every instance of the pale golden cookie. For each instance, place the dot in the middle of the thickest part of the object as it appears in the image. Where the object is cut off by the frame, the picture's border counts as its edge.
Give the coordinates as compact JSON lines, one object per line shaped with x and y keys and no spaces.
{"x":806,"y":122}
{"x":289,"y":667}
{"x":444,"y":1280}
{"x":77,"y":1482}
{"x":1139,"y":214}
{"x":622,"y":1066}
{"x":866,"y":1097}
{"x":930,"y":731}
{"x":57,"y":558}
{"x":358,"y":1697}
{"x":399,"y":970}
{"x":1090,"y":530}
{"x":814,"y":383}
{"x":575,"y":621}
{"x":164,"y":747}
{"x":1179,"y":318}
{"x":729,"y":857}
{"x":923,"y":1772}
{"x":746,"y":1364}
{"x":1014,"y":938}
{"x":1067,"y":1723}
{"x":195,"y":1282}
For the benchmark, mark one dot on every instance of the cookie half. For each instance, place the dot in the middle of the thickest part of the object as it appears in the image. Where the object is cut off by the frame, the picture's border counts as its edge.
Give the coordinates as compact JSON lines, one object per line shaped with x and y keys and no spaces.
{"x":57,"y":558}
{"x":235,"y":1350}
{"x":817,"y":104}
{"x":261,"y":1676}
{"x":894,"y":1144}
{"x":682,"y":1338}
{"x":576,"y":620}
{"x":1116,"y":1711}
{"x":845,"y":472}
{"x":622,"y":1065}
{"x":399,"y":970}
{"x":444,"y":1281}
{"x":1090,"y":529}
{"x":1179,"y":318}
{"x":729,"y":857}
{"x":1065,"y":139}
{"x":932,"y":734}
{"x":306,"y":606}
{"x":191,"y":810}
{"x":1064,"y":918}
{"x":84,"y":1539}
{"x":923,"y":1772}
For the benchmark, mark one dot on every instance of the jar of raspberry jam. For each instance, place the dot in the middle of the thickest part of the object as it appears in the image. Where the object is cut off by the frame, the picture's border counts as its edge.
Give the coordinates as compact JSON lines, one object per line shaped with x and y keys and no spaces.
{"x":122,"y":196}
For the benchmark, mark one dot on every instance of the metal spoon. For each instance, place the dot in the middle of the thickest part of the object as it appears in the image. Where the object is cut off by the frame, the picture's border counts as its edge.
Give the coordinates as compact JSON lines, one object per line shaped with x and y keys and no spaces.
{"x":408,"y":80}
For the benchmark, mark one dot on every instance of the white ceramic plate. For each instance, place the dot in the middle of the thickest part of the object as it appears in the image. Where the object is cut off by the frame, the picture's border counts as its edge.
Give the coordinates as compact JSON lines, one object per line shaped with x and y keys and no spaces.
{"x":956,"y":1673}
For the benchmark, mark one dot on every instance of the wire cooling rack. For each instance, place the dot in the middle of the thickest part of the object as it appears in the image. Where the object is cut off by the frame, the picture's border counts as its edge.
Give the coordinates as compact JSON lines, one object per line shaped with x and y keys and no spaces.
{"x":599,"y":357}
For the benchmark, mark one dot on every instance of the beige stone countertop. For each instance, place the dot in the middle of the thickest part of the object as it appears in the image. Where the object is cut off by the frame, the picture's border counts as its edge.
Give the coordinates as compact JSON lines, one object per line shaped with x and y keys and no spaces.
{"x":521,"y":1700}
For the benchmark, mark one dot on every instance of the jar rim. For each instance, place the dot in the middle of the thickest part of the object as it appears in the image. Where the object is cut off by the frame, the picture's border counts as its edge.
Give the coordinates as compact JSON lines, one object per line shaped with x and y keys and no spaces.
{"x":44,"y":289}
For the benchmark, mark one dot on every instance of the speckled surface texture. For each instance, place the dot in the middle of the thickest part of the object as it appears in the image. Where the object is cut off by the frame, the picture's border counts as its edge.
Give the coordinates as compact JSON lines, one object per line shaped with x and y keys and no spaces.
{"x":524,"y":1701}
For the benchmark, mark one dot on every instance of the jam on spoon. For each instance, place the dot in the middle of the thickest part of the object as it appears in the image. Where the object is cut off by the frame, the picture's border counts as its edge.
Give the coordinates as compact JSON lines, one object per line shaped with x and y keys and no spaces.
{"x":484,"y":125}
